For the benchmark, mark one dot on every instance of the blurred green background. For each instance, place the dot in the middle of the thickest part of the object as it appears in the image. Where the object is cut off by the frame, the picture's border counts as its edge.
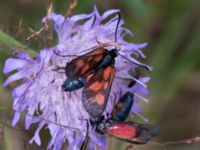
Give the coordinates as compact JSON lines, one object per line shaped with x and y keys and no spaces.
{"x":172,"y":29}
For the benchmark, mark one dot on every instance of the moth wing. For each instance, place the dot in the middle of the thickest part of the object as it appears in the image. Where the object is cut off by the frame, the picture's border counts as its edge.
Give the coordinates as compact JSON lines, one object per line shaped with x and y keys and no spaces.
{"x":143,"y":138}
{"x":83,"y":65}
{"x":97,"y":89}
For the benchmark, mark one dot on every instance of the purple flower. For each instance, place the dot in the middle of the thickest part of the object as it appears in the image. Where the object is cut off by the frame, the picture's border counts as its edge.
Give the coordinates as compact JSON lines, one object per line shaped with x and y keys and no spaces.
{"x":41,"y":94}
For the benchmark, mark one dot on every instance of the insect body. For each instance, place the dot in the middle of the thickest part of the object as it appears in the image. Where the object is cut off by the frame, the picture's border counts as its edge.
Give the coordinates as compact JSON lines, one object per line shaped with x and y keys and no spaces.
{"x":123,"y":107}
{"x":119,"y":113}
{"x":127,"y":131}
{"x":89,"y":64}
{"x":95,"y":72}
{"x":132,"y":132}
{"x":72,"y":85}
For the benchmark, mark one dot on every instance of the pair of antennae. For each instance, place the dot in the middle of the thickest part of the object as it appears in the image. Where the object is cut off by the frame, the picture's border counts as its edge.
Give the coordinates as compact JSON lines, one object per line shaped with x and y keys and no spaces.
{"x":101,"y":44}
{"x":106,"y":45}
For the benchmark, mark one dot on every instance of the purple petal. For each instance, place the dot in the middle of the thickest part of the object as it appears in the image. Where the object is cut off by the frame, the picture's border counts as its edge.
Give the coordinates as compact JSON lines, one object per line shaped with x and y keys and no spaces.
{"x":144,"y":79}
{"x":112,"y":25}
{"x":139,"y":82}
{"x":127,"y":32}
{"x":136,"y":108}
{"x":98,"y":16}
{"x":140,"y":89}
{"x":96,"y":12}
{"x":14,"y":77}
{"x":80,"y":17}
{"x":23,"y":55}
{"x":44,"y":56}
{"x":131,"y":59}
{"x":59,"y":140}
{"x":20,"y":89}
{"x":29,"y":121}
{"x":99,"y":140}
{"x":134,"y":46}
{"x":140,"y":97}
{"x":110,"y":12}
{"x":136,"y":99}
{"x":16,"y":118}
{"x":91,"y":146}
{"x":130,"y":48}
{"x":140,"y":53}
{"x":88,"y":25}
{"x":36,"y":136}
{"x":74,"y":145}
{"x":58,"y":19}
{"x":111,"y":20}
{"x":123,"y":74}
{"x":13,"y":64}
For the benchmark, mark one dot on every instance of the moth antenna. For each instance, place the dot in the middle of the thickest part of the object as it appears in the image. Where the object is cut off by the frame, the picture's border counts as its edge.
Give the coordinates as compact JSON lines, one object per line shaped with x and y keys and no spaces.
{"x":116,"y":29}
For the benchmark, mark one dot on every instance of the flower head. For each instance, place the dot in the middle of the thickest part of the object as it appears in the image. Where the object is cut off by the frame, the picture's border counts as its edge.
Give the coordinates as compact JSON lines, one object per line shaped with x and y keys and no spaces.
{"x":41,"y":94}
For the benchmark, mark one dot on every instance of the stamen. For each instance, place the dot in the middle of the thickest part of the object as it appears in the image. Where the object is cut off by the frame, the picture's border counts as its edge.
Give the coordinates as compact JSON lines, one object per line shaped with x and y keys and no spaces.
{"x":134,"y":61}
{"x":139,"y":82}
{"x":141,"y":116}
{"x":141,"y":97}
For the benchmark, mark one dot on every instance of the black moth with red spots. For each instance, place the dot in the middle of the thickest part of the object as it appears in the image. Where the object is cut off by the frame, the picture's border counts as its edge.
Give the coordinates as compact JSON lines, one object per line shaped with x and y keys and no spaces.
{"x":117,"y":127}
{"x":95,"y":72}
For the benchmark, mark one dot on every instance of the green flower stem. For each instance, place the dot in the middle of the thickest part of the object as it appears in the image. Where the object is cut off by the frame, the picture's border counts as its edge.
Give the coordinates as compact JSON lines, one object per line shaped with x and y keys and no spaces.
{"x":11,"y":42}
{"x":3,"y":107}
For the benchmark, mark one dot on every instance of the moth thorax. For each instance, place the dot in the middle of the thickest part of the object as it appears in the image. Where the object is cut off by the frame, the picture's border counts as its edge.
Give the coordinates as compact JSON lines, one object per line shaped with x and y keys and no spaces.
{"x":113,"y":53}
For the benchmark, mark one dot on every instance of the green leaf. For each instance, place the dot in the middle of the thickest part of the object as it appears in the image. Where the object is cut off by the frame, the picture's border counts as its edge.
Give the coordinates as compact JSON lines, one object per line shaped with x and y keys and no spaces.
{"x":165,"y":49}
{"x":11,"y":42}
{"x":185,"y":63}
{"x":3,"y":107}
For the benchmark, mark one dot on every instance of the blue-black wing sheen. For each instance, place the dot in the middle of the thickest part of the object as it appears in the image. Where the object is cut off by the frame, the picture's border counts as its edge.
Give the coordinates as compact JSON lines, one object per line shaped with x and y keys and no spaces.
{"x":84,"y":65}
{"x":123,"y":107}
{"x":96,"y":90}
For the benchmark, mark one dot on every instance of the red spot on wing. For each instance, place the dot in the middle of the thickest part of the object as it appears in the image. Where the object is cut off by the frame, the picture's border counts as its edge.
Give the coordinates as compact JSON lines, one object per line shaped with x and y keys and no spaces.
{"x":85,"y":68}
{"x":100,"y":98}
{"x":97,"y":58}
{"x":78,"y":66}
{"x":122,"y":131}
{"x":96,"y":90}
{"x":105,"y":86}
{"x":107,"y":73}
{"x":96,"y":86}
{"x":89,"y":77}
{"x":84,"y":65}
{"x":79,"y":63}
